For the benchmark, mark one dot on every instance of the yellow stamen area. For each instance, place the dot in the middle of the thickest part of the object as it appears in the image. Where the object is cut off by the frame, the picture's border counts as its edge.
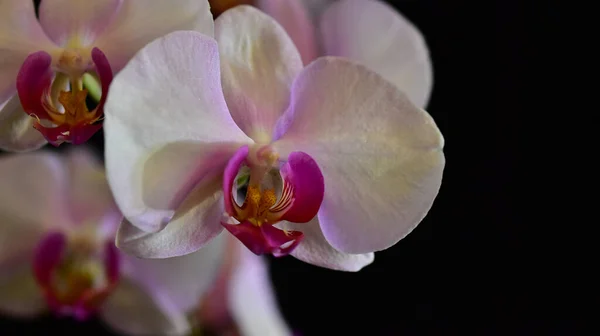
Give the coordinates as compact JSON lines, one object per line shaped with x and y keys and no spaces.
{"x":257,"y":204}
{"x":74,"y":278}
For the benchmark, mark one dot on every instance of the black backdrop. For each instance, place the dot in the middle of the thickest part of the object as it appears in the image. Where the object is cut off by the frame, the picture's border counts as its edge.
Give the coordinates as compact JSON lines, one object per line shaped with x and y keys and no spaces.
{"x":471,"y":270}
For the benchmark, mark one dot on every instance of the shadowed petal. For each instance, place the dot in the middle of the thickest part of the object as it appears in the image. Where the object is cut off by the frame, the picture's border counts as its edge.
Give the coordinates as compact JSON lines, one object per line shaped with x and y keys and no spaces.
{"x":251,"y":299}
{"x":258,"y":64}
{"x":82,"y":21}
{"x":381,"y":156}
{"x":17,"y":133}
{"x":157,"y":294}
{"x":294,"y":18}
{"x":139,"y":22}
{"x":20,"y":295}
{"x":376,"y":35}
{"x":20,"y":35}
{"x":170,"y":92}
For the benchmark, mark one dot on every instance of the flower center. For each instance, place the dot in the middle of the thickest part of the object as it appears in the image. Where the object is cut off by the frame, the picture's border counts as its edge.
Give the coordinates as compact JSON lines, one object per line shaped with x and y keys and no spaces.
{"x":75,"y":273}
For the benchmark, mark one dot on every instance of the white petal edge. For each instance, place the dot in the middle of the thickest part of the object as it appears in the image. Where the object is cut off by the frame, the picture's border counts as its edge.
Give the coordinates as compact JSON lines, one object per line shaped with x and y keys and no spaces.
{"x":376,"y":35}
{"x":381,"y":156}
{"x":169,"y":92}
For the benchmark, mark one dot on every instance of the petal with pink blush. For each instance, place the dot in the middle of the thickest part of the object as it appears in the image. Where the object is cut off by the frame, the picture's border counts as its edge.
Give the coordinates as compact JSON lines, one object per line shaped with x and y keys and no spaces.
{"x":48,"y":254}
{"x":195,"y":223}
{"x":294,"y":18}
{"x":155,"y":295}
{"x":81,"y":21}
{"x":258,"y":65}
{"x":252,"y":300}
{"x":20,"y":35}
{"x":17,"y":133}
{"x":375,"y":34}
{"x":174,"y":83}
{"x":381,"y":156}
{"x":303,"y":180}
{"x":315,"y":249}
{"x":139,"y":22}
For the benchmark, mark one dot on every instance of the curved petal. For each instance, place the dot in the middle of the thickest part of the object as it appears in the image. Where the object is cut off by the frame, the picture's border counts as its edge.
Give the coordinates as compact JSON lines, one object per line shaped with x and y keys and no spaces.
{"x":169,"y":92}
{"x":17,"y":133}
{"x":20,"y":35}
{"x":158,"y":294}
{"x":258,"y":65}
{"x":81,"y":22}
{"x":195,"y":223}
{"x":251,"y":298}
{"x":20,"y":295}
{"x":294,"y":18}
{"x":381,"y":157}
{"x":375,"y":34}
{"x":315,"y":249}
{"x":139,"y":22}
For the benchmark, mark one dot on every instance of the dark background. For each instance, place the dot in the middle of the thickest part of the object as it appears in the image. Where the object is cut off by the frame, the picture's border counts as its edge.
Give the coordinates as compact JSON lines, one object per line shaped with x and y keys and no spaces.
{"x":476,"y":272}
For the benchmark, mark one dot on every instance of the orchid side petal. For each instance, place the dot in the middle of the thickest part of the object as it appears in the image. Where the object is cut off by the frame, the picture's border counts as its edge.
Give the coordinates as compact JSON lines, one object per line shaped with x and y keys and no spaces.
{"x":258,"y":65}
{"x":78,"y":21}
{"x":132,"y":310}
{"x":17,"y":133}
{"x":139,"y":22}
{"x":174,"y":84}
{"x":294,"y":18}
{"x":376,"y":35}
{"x":196,"y":222}
{"x":20,"y":35}
{"x":20,"y":295}
{"x":251,"y":297}
{"x":315,"y":249}
{"x":381,"y":156}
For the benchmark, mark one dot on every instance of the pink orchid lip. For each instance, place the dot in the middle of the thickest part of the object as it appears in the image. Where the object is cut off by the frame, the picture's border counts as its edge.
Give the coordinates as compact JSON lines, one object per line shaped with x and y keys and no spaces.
{"x":53,"y":264}
{"x":301,"y":196}
{"x":76,"y":125}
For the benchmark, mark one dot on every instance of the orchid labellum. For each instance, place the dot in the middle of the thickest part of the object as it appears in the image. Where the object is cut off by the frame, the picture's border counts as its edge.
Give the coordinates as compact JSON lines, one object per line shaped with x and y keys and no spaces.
{"x":328,"y":162}
{"x":43,"y":63}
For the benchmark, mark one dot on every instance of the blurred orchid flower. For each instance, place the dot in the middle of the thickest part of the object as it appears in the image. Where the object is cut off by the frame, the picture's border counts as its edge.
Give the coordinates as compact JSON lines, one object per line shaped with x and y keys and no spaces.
{"x":242,"y":300}
{"x":46,"y":61}
{"x":57,"y":229}
{"x":337,"y":162}
{"x":367,"y":31}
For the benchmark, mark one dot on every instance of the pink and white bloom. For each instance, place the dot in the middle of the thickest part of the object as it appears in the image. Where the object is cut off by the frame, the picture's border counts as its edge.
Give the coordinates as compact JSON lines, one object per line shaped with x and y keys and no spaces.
{"x":367,"y":31}
{"x":58,"y":222}
{"x":339,"y":162}
{"x":42,"y":62}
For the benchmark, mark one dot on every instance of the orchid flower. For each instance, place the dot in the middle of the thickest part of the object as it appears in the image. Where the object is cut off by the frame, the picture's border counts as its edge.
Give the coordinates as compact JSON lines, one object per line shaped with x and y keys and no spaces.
{"x":367,"y":31}
{"x":337,"y":162}
{"x":46,"y":61}
{"x":57,"y":229}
